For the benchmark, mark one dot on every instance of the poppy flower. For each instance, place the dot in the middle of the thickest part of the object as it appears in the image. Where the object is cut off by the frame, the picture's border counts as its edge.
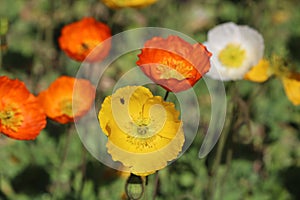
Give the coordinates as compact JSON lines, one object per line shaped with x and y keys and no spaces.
{"x":128,"y":3}
{"x":21,"y":116}
{"x":290,"y":79}
{"x":173,"y":63}
{"x":143,"y":131}
{"x":67,"y":99}
{"x":83,"y":40}
{"x":235,"y":50}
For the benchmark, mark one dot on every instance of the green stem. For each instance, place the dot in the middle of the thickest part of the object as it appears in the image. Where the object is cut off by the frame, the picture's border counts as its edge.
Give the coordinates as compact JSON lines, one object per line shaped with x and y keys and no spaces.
{"x":166,"y":95}
{"x":57,"y":183}
{"x":213,"y":178}
{"x":156,"y":184}
{"x":229,"y":153}
{"x":83,"y":172}
{"x":225,"y":136}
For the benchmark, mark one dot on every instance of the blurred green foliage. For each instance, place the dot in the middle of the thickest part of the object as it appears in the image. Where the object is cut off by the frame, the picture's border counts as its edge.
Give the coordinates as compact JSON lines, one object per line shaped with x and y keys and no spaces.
{"x":261,"y":159}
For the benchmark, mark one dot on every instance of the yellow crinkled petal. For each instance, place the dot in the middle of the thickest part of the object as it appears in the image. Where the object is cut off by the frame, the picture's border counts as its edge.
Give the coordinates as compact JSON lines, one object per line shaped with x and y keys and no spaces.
{"x":105,"y":115}
{"x":144,"y":164}
{"x":133,"y":144}
{"x":292,"y":87}
{"x":259,"y":73}
{"x":137,"y":101}
{"x":118,"y":106}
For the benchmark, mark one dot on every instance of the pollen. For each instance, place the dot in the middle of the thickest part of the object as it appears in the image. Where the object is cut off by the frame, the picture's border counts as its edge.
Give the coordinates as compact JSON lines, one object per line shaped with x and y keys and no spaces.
{"x":232,"y":56}
{"x":172,"y":68}
{"x":11,"y":117}
{"x":66,"y":107}
{"x":141,"y":128}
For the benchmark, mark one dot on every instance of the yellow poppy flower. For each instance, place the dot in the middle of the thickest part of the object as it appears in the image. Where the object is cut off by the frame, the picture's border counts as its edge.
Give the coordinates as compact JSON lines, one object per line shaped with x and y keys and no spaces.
{"x":128,"y":3}
{"x":290,"y":79}
{"x":144,"y":132}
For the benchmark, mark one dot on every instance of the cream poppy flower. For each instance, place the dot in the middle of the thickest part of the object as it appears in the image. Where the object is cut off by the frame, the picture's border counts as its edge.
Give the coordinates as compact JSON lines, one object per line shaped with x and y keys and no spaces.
{"x":235,"y":50}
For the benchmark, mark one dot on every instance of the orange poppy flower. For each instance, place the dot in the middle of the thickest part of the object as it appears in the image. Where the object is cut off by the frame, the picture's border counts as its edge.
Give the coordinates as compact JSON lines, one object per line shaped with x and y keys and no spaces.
{"x":80,"y":39}
{"x":173,"y":63}
{"x":21,"y":117}
{"x":67,"y":99}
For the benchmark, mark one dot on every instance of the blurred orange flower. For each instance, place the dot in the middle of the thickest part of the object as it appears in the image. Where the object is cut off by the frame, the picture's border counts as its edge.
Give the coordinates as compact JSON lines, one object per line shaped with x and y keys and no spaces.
{"x":128,"y":3}
{"x":67,"y":99}
{"x":21,"y":116}
{"x":80,"y":39}
{"x":173,"y":63}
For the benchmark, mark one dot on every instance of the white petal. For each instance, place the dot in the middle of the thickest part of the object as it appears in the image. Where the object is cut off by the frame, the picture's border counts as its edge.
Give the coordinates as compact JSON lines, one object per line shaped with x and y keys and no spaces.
{"x":229,"y":33}
{"x":221,"y":35}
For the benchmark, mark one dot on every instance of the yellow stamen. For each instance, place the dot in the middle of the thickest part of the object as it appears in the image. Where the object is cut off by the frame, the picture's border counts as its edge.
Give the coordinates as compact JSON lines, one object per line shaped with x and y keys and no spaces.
{"x":232,"y":56}
{"x":66,"y":107}
{"x":140,"y":128}
{"x":172,"y":68}
{"x":11,"y":117}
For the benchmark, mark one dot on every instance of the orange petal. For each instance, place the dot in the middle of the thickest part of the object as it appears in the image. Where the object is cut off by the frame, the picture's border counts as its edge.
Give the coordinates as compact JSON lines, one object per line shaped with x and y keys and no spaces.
{"x":173,"y":63}
{"x":21,"y":116}
{"x":81,"y":40}
{"x":64,"y":94}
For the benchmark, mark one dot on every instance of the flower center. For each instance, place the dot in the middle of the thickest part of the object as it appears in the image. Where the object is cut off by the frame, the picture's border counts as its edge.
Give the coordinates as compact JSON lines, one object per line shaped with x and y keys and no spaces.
{"x":232,"y":56}
{"x":172,"y":68}
{"x":141,"y":128}
{"x":88,"y":45}
{"x":66,"y":107}
{"x":11,"y":117}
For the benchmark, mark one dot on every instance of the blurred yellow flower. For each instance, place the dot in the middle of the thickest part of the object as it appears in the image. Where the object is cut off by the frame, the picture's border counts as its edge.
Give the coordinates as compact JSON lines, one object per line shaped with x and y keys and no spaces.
{"x":290,"y":79}
{"x":260,"y":72}
{"x":144,"y":132}
{"x":291,"y":85}
{"x":128,"y":3}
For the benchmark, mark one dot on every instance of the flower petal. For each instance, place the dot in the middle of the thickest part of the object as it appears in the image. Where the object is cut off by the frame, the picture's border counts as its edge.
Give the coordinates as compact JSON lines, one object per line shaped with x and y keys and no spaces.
{"x":141,"y":128}
{"x":244,"y":39}
{"x":21,"y":116}
{"x":128,"y":3}
{"x":259,"y":73}
{"x":67,"y":99}
{"x":292,"y":88}
{"x":84,"y":40}
{"x":173,"y":63}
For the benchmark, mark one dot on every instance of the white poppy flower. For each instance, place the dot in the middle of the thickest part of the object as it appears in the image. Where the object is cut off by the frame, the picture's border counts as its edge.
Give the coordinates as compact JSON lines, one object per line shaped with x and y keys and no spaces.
{"x":235,"y":50}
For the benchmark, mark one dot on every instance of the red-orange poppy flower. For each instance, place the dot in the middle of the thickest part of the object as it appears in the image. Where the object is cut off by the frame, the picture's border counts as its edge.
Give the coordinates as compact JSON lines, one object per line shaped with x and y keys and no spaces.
{"x":80,"y":39}
{"x":67,"y":99}
{"x":173,"y":63}
{"x":21,"y":116}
